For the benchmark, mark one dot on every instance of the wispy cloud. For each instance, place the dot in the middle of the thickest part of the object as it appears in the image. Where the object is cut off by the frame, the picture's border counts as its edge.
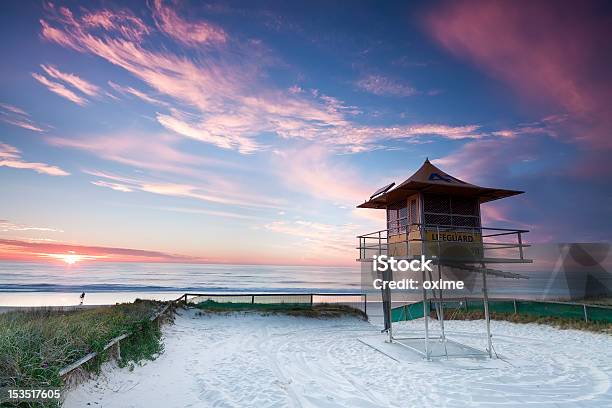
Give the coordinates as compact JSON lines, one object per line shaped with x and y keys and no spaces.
{"x":204,"y":132}
{"x":59,"y":89}
{"x":113,"y":186}
{"x":316,"y":240}
{"x":135,"y":149}
{"x":314,"y":171}
{"x":214,"y":213}
{"x":222,"y":97}
{"x":18,"y":117}
{"x":7,"y":226}
{"x":193,"y":34}
{"x":11,"y":157}
{"x":385,"y":86}
{"x":13,"y":109}
{"x":121,"y":21}
{"x":215,"y":190}
{"x":72,"y":80}
{"x":135,"y":92}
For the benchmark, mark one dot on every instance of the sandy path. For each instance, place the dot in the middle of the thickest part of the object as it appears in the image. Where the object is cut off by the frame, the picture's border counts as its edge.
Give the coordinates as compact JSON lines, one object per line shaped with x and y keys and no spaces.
{"x":278,"y":361}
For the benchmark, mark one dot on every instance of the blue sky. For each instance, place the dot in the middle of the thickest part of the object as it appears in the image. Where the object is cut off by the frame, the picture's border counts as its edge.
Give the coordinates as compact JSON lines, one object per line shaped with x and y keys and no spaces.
{"x":242,"y":132}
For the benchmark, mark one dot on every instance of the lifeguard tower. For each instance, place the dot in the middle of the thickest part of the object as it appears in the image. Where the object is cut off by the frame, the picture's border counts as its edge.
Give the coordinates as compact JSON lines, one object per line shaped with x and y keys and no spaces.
{"x":437,"y":215}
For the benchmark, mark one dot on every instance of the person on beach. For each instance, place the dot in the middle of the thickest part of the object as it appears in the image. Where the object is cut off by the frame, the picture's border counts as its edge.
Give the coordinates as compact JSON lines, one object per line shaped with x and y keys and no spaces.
{"x":82,"y":298}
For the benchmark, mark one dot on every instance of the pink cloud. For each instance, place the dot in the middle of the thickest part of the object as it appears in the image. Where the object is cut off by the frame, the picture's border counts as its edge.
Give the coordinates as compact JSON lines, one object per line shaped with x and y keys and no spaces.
{"x":60,"y":89}
{"x":214,"y":134}
{"x":215,"y":189}
{"x":189,"y":33}
{"x":13,"y":109}
{"x":316,"y":171}
{"x":11,"y":157}
{"x":226,"y":100}
{"x":123,"y":22}
{"x":135,"y":92}
{"x":72,"y":79}
{"x":550,"y":53}
{"x":18,"y":117}
{"x":136,"y":150}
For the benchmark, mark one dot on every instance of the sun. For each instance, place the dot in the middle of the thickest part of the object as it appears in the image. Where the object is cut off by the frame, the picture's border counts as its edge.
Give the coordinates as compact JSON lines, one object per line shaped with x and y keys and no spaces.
{"x":70,"y":259}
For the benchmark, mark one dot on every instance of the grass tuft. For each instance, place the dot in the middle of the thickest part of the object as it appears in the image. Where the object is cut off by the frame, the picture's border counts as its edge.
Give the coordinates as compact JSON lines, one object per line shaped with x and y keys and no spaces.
{"x":327,"y":310}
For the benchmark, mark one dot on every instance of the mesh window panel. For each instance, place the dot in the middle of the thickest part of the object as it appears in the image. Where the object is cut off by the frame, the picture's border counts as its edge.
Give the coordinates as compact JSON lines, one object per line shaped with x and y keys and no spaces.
{"x":438,"y":219}
{"x":464,"y":206}
{"x":413,"y":211}
{"x":435,"y":203}
{"x":459,"y":221}
{"x":392,"y":221}
{"x":403,"y":221}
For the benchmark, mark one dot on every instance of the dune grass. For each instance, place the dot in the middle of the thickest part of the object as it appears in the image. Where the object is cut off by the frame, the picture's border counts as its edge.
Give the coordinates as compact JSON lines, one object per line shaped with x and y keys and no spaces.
{"x":36,"y":344}
{"x":326,"y":310}
{"x":559,"y":322}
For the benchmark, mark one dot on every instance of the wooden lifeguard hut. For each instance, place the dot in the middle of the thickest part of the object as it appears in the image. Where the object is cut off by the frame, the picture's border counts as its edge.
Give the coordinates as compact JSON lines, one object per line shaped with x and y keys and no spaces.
{"x":437,"y":215}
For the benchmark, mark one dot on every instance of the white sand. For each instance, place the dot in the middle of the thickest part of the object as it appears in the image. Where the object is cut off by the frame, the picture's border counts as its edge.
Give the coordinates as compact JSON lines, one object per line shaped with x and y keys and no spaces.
{"x":278,"y":361}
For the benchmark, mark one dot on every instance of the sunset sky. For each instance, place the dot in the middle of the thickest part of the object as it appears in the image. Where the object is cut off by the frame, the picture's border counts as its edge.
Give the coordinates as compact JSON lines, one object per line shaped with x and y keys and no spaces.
{"x":247,"y":132}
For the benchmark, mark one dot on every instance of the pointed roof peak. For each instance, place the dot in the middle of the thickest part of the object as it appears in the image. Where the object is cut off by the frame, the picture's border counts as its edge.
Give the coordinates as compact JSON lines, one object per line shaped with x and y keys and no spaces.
{"x":431,"y":174}
{"x":431,"y":179}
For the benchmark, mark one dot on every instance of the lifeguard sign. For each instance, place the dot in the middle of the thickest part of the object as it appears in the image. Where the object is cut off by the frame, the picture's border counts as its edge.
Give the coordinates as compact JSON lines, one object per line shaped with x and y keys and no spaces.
{"x":437,"y":215}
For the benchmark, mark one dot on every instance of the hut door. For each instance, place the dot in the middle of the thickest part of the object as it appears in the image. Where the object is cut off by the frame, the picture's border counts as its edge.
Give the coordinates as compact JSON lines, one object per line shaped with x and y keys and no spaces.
{"x":397,"y":222}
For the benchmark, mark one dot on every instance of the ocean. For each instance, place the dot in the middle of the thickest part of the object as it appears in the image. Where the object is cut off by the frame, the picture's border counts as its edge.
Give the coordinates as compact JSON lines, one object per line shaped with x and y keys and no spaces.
{"x":38,"y":284}
{"x":43,"y":284}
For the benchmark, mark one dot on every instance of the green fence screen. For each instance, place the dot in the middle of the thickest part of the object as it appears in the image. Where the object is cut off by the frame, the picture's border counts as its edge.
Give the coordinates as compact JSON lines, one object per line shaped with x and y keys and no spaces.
{"x":528,"y":307}
{"x":407,"y":312}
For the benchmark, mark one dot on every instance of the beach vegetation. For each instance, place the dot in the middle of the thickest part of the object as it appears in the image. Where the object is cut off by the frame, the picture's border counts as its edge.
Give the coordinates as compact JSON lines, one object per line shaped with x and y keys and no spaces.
{"x":322,"y":310}
{"x":36,"y":344}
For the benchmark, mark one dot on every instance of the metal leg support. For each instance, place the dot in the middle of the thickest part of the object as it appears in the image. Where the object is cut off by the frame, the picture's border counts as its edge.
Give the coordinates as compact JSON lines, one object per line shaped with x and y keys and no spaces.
{"x":485,"y":299}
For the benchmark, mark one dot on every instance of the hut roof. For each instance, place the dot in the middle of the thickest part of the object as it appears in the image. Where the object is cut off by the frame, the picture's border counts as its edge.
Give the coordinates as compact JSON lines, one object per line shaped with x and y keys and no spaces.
{"x":431,"y":179}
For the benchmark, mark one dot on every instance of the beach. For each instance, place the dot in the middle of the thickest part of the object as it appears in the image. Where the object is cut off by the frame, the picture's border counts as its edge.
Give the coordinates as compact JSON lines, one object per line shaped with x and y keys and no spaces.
{"x":237,"y":360}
